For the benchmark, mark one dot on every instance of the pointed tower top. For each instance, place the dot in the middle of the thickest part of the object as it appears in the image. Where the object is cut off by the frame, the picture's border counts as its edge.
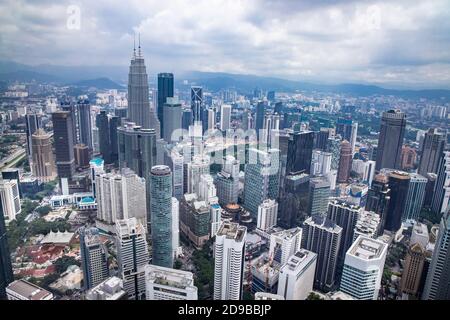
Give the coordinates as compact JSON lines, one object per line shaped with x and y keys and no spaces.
{"x":134,"y":45}
{"x":139,"y":43}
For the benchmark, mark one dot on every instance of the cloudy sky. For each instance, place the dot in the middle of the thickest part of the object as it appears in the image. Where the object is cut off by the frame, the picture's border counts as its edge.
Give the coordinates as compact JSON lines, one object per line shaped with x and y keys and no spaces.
{"x":395,"y":43}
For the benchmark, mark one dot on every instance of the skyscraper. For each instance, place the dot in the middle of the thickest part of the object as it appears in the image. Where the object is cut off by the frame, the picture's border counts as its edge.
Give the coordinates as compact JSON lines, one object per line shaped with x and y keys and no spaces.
{"x":94,"y":257}
{"x":132,"y":256}
{"x":348,"y":131}
{"x":441,"y":195}
{"x":294,"y":199}
{"x":229,"y":254}
{"x":433,"y":146}
{"x":415,"y":197}
{"x":138,"y":99}
{"x":6,"y":273}
{"x":102,"y":124}
{"x":323,"y":237}
{"x":284,"y":244}
{"x":227,"y":182}
{"x":261,"y":178}
{"x":161,"y":215}
{"x":165,"y":90}
{"x":43,"y":165}
{"x":363,"y":268}
{"x":345,"y":162}
{"x":390,"y":140}
{"x":33,"y":123}
{"x":378,"y":198}
{"x":300,"y":152}
{"x":297,"y":275}
{"x":267,"y":214}
{"x":114,"y":123}
{"x":63,"y":132}
{"x":259,"y":123}
{"x":319,"y":193}
{"x":10,"y":198}
{"x":84,"y":122}
{"x":225,"y":117}
{"x":172,"y":119}
{"x":399,"y":184}
{"x":197,"y":103}
{"x":437,"y":286}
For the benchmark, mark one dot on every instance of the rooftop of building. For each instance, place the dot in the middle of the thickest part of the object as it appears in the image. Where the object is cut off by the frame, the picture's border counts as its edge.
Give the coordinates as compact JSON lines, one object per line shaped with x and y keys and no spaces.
{"x":367,"y":248}
{"x":300,"y":259}
{"x":110,"y":289}
{"x":288,"y":233}
{"x":28,"y":290}
{"x":169,"y":277}
{"x":232,"y":231}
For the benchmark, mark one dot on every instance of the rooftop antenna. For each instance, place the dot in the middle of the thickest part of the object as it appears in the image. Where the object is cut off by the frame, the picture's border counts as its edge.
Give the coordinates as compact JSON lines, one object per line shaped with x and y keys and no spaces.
{"x":134,"y":44}
{"x":139,"y":35}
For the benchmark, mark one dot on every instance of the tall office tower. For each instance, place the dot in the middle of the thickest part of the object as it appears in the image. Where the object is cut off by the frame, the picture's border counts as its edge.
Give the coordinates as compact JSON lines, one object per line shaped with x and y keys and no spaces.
{"x":33,"y":123}
{"x":225,"y":117}
{"x":84,"y":122}
{"x":429,"y":189}
{"x":227,"y":181}
{"x":109,"y":289}
{"x":6,"y":273}
{"x":137,"y":151}
{"x":368,"y":225}
{"x":212,"y":119}
{"x":169,"y":284}
{"x":207,"y":189}
{"x":267,"y":215}
{"x":294,"y":199}
{"x":437,"y":285}
{"x":102,"y":124}
{"x":70,"y":107}
{"x":229,"y":254}
{"x":323,"y":237}
{"x":365,"y":170}
{"x":363,"y":268}
{"x":165,"y":90}
{"x":399,"y":185}
{"x":415,"y":260}
{"x":197,"y":103}
{"x":261,"y":178}
{"x":186,"y":119}
{"x":94,"y":257}
{"x":96,"y":167}
{"x":345,"y":162}
{"x":195,"y":219}
{"x":441,"y":195}
{"x":345,"y":215}
{"x":63,"y":132}
{"x":319,"y":193}
{"x":119,"y":196}
{"x":43,"y":164}
{"x":161,"y":212}
{"x":390,"y":140}
{"x":132,"y":256}
{"x":216,"y":218}
{"x":321,"y":138}
{"x":378,"y":198}
{"x":285,"y":243}
{"x":320,"y":163}
{"x":114,"y":123}
{"x":408,"y":158}
{"x":334,"y":147}
{"x":175,"y":161}
{"x":297,"y":275}
{"x":415,"y":197}
{"x":121,"y":112}
{"x":138,"y":100}
{"x":10,"y":199}
{"x":300,"y":151}
{"x":175,"y":227}
{"x":259,"y":123}
{"x":172,"y":120}
{"x":348,"y":131}
{"x":433,"y":146}
{"x":198,"y":166}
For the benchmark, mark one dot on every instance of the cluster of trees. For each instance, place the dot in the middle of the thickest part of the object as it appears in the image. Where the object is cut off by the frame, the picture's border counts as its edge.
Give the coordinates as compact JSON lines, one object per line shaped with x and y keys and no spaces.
{"x":47,"y":189}
{"x":204,"y":265}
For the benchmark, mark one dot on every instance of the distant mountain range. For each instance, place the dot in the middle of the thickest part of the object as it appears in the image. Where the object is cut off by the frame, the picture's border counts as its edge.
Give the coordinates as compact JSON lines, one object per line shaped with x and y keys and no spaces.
{"x":115,"y":77}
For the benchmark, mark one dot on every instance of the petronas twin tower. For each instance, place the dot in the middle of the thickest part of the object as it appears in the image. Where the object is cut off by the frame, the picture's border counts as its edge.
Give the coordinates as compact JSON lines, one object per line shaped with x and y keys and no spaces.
{"x":139,"y":110}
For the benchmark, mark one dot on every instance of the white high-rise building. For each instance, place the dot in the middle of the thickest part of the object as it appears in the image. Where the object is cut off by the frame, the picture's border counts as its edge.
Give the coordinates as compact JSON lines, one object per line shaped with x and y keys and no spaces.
{"x":132,"y":256}
{"x":176,"y":248}
{"x":229,"y":254}
{"x":320,"y":163}
{"x":297,"y":275}
{"x":225,"y":117}
{"x":216,"y":214}
{"x":353,"y":136}
{"x":211,"y":119}
{"x":169,"y":284}
{"x":207,"y":189}
{"x":368,"y":224}
{"x":267,"y":214}
{"x":363,"y":268}
{"x":198,"y":166}
{"x":10,"y":198}
{"x":284,"y":244}
{"x":120,"y":196}
{"x":176,"y":162}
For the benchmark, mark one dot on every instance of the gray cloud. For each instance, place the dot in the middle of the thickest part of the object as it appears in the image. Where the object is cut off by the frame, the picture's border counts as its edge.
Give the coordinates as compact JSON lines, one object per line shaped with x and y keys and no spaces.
{"x":398,"y":43}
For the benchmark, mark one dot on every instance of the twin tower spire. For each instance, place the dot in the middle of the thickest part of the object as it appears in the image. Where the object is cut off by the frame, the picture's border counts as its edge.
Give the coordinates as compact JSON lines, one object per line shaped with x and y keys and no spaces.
{"x":139,"y":46}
